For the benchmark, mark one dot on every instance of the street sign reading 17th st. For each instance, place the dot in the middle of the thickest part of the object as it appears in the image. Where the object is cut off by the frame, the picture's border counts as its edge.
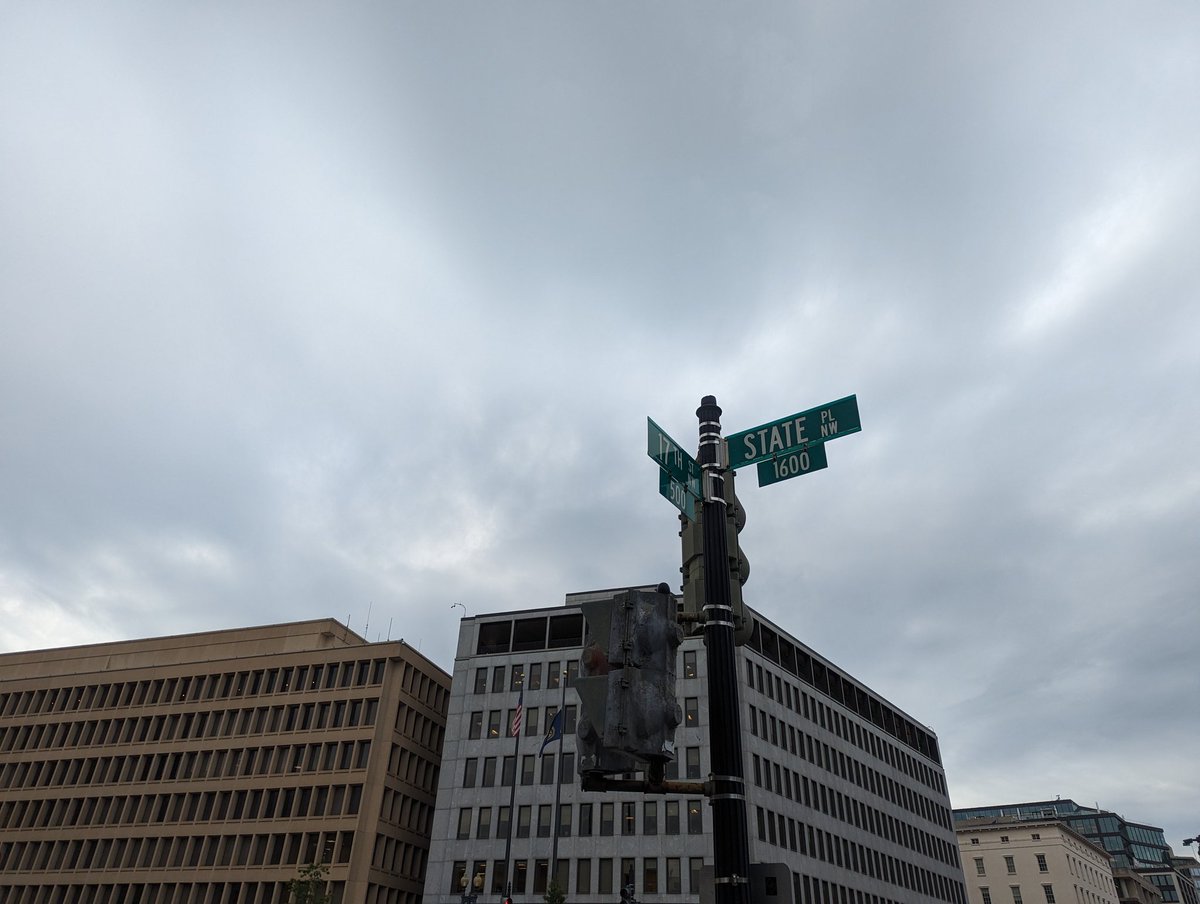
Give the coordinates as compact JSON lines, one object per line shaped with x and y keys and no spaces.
{"x":679,"y":479}
{"x":792,"y":434}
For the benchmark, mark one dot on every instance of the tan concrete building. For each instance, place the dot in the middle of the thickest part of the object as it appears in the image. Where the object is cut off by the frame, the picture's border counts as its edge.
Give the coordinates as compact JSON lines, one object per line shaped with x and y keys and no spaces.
{"x":209,"y":768}
{"x":1011,"y":861}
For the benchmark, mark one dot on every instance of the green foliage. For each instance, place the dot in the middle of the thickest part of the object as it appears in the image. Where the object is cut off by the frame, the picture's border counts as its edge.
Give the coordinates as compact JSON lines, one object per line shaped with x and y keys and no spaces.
{"x":554,"y":893}
{"x":309,"y":886}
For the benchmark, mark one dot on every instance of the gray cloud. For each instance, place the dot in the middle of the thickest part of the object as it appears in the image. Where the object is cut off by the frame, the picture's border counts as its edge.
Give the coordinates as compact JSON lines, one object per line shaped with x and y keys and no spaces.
{"x":312,"y":312}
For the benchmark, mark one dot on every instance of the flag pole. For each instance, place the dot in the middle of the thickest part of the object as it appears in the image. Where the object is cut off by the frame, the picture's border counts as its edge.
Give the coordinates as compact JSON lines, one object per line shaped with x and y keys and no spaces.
{"x":562,"y":706}
{"x":512,"y":792}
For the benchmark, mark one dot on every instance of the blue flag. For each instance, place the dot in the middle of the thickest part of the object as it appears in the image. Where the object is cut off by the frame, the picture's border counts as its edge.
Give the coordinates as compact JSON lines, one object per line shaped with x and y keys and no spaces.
{"x":555,"y":732}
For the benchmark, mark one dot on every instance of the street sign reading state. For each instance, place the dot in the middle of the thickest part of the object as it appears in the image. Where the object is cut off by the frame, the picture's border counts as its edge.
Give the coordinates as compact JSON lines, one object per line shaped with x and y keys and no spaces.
{"x":671,"y":458}
{"x":790,"y":434}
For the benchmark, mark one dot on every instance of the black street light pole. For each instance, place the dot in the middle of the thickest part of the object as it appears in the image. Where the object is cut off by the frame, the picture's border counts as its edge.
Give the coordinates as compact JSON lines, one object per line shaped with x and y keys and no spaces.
{"x":731,"y":850}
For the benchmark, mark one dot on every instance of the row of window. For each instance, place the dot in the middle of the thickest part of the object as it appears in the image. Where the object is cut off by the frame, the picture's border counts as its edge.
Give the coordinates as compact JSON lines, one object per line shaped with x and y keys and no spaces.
{"x":175,"y":893}
{"x":186,"y":765}
{"x":822,"y":891}
{"x":1015,"y":891}
{"x":602,"y":876}
{"x":544,"y":774}
{"x":172,"y":691}
{"x":477,"y":822}
{"x":174,"y":852}
{"x":400,"y":858}
{"x":782,"y":831}
{"x":1010,"y":862}
{"x":843,"y":807}
{"x":195,"y":806}
{"x":418,"y":727}
{"x":190,"y":726}
{"x":787,"y":737}
{"x":407,"y":812}
{"x":844,"y":691}
{"x":812,"y":709}
{"x":411,"y":767}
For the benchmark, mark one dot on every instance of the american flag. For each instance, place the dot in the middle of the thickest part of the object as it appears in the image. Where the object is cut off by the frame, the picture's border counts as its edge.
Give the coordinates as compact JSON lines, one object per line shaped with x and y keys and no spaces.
{"x":516,"y":722}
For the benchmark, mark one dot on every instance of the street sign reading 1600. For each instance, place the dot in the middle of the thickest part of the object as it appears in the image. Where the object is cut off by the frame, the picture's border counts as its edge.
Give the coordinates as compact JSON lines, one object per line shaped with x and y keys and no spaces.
{"x":790,"y":434}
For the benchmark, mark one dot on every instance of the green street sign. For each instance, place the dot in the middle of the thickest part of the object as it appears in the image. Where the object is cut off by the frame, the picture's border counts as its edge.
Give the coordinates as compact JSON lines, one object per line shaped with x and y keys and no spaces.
{"x":789,"y":434}
{"x":672,"y":459}
{"x":792,"y":464}
{"x":677,"y":494}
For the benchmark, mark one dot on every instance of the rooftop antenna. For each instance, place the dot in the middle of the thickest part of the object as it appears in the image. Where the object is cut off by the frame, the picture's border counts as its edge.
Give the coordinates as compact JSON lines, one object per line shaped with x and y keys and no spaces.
{"x":389,"y":629}
{"x":367,"y":626}
{"x":461,"y":606}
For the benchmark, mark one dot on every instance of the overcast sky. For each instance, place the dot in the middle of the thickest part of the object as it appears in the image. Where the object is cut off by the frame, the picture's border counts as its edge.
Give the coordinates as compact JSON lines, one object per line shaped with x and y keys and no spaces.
{"x":317,"y":310}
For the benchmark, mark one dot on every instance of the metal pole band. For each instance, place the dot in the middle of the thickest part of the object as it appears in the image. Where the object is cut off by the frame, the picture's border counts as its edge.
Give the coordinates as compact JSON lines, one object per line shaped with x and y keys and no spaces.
{"x":728,"y":778}
{"x":727,"y":797}
{"x":732,"y":880}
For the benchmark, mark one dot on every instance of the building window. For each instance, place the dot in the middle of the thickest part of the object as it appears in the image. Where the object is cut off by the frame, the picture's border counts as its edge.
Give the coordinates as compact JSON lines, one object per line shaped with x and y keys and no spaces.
{"x":517,"y":681}
{"x":606,"y":819}
{"x":564,"y":820}
{"x":650,"y":817}
{"x":470,"y":766}
{"x":583,"y":877}
{"x":493,"y":724}
{"x":605,"y":876}
{"x":476,"y":728}
{"x":585,"y":819}
{"x":672,"y":817}
{"x":1036,"y":837}
{"x":693,"y":762}
{"x":481,"y":681}
{"x":554,"y":676}
{"x":974,"y":841}
{"x":503,"y":816}
{"x":531,"y":721}
{"x":1016,"y":894}
{"x":695,"y":822}
{"x":543,"y":826}
{"x":1049,"y":890}
{"x":674,"y":876}
{"x":464,"y":824}
{"x":489,"y":771}
{"x":1010,"y":865}
{"x":548,"y":769}
{"x":1041,"y":860}
{"x":979,"y":870}
{"x":695,"y":865}
{"x":524,"y":812}
{"x":484,"y":826}
{"x":987,"y":895}
{"x":691,"y":712}
{"x":689,"y":671}
{"x":527,"y":769}
{"x":650,"y":875}
{"x":1004,"y":839}
{"x":535,"y":676}
{"x":628,"y":818}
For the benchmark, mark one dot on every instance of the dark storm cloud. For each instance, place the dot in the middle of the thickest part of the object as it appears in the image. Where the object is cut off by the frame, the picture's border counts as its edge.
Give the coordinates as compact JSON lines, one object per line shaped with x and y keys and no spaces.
{"x":311,"y":312}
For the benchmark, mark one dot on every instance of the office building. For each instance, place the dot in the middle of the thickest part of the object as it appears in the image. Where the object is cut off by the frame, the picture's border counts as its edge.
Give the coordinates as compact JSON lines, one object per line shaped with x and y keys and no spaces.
{"x":844,"y":789}
{"x":1035,"y":861}
{"x":1136,"y":847}
{"x":209,"y":768}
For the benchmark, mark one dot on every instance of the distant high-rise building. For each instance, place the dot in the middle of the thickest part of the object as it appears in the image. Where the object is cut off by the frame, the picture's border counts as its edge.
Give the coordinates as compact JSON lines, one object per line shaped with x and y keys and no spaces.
{"x":843,"y":788}
{"x":1134,"y":846}
{"x":210,"y":768}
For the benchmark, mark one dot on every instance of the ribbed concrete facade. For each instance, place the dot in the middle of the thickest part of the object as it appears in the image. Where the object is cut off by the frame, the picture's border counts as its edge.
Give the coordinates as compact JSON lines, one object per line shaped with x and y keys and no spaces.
{"x":208,"y":768}
{"x":843,"y":788}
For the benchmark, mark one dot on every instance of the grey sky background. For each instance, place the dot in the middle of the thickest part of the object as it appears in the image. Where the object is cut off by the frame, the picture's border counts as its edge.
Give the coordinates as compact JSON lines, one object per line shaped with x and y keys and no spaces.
{"x":313,"y":310}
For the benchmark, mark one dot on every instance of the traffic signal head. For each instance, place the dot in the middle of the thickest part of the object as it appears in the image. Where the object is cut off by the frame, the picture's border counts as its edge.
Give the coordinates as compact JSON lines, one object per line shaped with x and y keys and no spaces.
{"x":691,"y":537}
{"x":627,"y":681}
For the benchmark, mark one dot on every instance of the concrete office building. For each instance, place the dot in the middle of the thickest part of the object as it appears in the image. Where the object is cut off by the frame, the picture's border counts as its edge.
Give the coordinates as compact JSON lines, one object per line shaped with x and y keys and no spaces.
{"x":843,"y":788}
{"x":1039,"y":861}
{"x":208,"y":768}
{"x":1134,"y":846}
